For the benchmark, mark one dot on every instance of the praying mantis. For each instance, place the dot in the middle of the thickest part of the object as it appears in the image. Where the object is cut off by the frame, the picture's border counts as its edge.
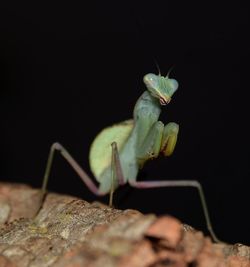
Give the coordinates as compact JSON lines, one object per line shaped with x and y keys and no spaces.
{"x":120,"y":151}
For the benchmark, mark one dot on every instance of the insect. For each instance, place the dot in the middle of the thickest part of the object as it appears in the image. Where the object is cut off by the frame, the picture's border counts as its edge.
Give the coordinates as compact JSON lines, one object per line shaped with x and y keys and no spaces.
{"x":119,"y":151}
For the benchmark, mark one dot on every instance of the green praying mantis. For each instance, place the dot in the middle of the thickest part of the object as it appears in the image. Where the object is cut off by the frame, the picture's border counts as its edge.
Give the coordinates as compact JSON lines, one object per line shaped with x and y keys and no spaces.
{"x":120,"y":151}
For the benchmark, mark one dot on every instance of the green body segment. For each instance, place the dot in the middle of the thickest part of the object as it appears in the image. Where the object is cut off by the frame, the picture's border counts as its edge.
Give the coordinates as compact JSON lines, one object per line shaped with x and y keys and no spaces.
{"x":138,"y":140}
{"x":100,"y":150}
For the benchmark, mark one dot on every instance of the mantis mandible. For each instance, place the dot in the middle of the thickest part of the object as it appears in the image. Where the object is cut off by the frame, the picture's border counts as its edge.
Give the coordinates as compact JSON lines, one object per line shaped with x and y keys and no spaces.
{"x":119,"y":151}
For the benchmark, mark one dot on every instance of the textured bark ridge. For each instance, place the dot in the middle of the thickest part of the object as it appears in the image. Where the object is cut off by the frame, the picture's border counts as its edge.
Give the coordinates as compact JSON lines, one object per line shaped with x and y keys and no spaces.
{"x":70,"y":232}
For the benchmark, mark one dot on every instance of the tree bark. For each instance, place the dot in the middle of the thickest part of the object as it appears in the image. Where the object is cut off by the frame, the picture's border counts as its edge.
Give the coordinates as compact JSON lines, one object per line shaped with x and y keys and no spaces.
{"x":70,"y":232}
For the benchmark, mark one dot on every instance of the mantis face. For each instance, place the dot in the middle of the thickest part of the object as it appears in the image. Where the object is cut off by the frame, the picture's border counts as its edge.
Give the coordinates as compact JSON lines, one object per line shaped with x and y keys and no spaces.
{"x":160,"y":87}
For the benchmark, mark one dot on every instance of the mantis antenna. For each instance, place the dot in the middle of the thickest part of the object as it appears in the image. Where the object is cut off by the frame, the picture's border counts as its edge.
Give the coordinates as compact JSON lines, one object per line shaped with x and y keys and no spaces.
{"x":170,"y":71}
{"x":157,"y":66}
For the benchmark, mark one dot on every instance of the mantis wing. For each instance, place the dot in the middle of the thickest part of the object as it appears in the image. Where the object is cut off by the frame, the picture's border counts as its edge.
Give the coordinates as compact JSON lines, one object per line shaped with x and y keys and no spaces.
{"x":100,"y":150}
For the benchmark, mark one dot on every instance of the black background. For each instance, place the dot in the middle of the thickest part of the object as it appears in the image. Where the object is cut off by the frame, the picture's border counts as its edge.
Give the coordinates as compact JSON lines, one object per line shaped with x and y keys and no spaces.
{"x":70,"y":69}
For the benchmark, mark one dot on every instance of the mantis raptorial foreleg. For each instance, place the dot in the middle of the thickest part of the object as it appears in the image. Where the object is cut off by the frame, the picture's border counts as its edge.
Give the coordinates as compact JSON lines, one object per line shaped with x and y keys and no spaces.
{"x":160,"y":138}
{"x":150,"y":148}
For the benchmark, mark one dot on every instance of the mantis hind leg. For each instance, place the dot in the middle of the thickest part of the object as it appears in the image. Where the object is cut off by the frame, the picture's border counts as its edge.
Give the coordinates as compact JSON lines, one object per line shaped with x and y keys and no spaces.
{"x":116,"y":171}
{"x":152,"y":184}
{"x":72,"y":162}
{"x":182,"y":183}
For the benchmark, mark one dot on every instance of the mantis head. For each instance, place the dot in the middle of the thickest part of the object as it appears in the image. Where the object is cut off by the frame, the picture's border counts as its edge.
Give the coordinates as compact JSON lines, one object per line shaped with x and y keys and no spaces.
{"x":160,"y":87}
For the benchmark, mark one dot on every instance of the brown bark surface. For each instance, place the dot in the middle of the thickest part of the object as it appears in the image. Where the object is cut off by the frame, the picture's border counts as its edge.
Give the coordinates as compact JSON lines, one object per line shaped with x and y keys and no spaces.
{"x":70,"y":232}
